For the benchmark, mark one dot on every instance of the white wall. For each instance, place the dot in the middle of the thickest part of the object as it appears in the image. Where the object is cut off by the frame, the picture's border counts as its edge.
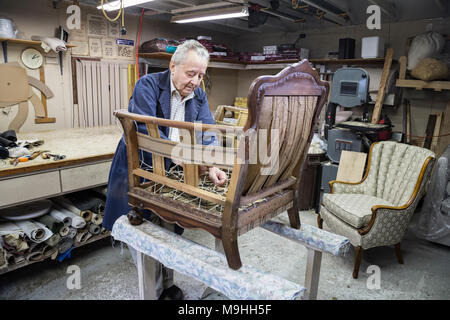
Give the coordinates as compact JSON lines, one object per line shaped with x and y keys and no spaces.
{"x":37,"y":17}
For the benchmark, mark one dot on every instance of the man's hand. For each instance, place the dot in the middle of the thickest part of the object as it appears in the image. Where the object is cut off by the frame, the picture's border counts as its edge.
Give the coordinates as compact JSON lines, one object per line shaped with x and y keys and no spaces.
{"x":217,"y":176}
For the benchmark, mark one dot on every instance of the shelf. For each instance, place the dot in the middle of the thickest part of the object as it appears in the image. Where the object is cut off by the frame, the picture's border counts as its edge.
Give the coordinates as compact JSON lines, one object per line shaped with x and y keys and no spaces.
{"x":5,"y":42}
{"x":29,"y":42}
{"x":27,"y":263}
{"x":420,"y":84}
{"x":279,"y":64}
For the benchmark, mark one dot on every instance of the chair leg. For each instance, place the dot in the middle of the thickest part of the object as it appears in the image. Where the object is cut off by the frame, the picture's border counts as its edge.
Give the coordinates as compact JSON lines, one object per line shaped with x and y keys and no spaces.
{"x":294,"y":217}
{"x":319,"y":221}
{"x":230,"y":246}
{"x":135,"y":217}
{"x":398,"y":253}
{"x":358,"y":257}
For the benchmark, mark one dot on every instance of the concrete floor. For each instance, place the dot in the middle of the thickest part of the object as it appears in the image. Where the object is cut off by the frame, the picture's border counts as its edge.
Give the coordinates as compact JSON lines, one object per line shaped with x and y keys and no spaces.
{"x":108,"y":272}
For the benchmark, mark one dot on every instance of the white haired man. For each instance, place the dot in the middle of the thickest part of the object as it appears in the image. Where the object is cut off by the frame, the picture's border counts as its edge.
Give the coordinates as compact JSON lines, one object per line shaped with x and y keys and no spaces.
{"x":173,"y":94}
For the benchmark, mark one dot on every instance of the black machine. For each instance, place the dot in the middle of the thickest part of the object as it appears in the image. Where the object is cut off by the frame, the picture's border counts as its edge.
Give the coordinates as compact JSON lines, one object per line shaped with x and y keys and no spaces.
{"x":349,"y":89}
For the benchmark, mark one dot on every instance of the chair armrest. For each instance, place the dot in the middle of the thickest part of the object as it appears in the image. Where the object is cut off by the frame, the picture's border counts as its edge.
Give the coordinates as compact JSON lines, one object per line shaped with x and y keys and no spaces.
{"x":345,"y":187}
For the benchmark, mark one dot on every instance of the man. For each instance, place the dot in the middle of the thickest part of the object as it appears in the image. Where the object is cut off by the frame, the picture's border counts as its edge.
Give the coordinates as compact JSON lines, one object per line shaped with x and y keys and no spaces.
{"x":173,"y":94}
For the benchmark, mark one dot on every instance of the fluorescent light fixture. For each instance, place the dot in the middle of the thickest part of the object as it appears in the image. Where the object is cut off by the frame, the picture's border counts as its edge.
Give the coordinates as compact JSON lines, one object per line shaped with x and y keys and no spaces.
{"x":115,"y":5}
{"x":234,"y":12}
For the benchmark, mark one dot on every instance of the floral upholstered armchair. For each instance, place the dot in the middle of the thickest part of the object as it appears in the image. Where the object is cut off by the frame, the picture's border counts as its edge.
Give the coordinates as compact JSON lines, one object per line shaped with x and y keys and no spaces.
{"x":376,"y":211}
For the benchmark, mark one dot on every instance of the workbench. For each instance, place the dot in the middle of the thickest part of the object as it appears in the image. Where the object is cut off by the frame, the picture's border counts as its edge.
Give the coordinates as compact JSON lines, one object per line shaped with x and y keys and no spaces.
{"x":88,"y":151}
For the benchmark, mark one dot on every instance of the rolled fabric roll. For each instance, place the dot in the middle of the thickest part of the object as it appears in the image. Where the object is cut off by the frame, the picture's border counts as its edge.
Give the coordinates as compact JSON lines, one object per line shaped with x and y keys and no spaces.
{"x":34,"y":256}
{"x":3,"y":260}
{"x":72,"y":232}
{"x":53,"y":240}
{"x":65,"y":244}
{"x":64,"y":231}
{"x":104,"y":231}
{"x":15,"y":258}
{"x":83,"y":236}
{"x":77,"y":221}
{"x":50,"y":222}
{"x":86,"y":215}
{"x":48,"y":251}
{"x":97,"y":219}
{"x":55,"y":213}
{"x":35,"y":231}
{"x":94,"y":229}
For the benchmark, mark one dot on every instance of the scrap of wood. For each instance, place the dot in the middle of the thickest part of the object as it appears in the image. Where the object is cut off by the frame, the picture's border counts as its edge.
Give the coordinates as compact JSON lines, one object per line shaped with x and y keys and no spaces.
{"x":444,"y":140}
{"x":381,"y":91}
{"x":20,"y":117}
{"x":408,"y":122}
{"x":429,"y":131}
{"x":351,"y":166}
{"x":402,"y":72}
{"x":437,"y":129}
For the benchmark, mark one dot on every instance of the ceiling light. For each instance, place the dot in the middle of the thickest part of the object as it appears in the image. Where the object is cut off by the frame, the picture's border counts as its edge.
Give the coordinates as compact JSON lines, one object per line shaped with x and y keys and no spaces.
{"x":115,"y":5}
{"x":235,"y":12}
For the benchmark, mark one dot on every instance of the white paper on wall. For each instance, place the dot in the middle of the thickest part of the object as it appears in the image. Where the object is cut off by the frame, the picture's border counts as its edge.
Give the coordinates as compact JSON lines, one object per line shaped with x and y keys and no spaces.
{"x":113,"y":29}
{"x":95,"y":47}
{"x":97,"y":25}
{"x":109,"y":48}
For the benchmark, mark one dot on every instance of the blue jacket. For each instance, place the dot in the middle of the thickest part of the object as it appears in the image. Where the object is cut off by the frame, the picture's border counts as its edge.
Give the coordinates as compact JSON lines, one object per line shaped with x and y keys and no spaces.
{"x":151,"y":96}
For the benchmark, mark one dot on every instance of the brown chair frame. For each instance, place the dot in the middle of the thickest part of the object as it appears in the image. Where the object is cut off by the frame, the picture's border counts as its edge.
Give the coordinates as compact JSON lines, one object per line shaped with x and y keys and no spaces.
{"x":296,"y":80}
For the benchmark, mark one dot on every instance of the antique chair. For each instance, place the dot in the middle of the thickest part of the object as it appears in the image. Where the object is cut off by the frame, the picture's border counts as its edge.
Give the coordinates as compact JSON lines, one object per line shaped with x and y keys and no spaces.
{"x":376,"y":211}
{"x":289,"y":103}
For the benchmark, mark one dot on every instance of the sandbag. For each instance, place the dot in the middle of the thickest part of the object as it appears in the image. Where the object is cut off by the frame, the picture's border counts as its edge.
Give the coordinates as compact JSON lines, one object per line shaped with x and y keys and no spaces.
{"x":430,"y":69}
{"x":424,"y":46}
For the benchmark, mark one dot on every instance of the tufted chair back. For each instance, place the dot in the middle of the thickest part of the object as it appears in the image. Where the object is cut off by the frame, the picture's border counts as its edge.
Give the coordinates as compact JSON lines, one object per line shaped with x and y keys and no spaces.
{"x":393,"y":171}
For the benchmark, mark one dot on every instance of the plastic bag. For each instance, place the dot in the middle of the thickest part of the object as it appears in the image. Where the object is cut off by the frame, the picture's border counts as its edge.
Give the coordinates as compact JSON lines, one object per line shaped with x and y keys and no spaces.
{"x":424,"y":46}
{"x":7,"y":28}
{"x":434,"y":221}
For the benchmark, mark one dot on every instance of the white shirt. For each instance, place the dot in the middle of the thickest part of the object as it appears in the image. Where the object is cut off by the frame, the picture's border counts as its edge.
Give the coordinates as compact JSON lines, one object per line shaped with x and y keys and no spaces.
{"x":177,"y":108}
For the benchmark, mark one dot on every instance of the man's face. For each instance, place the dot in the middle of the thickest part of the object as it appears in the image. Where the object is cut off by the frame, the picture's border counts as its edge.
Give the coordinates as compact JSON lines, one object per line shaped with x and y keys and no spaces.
{"x":188,"y":75}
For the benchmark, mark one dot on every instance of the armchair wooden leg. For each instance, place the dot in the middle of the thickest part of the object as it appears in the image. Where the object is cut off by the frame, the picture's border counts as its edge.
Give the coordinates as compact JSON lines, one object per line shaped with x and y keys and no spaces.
{"x":135,"y":217}
{"x":358,"y":257}
{"x":398,"y":253}
{"x":294,"y":217}
{"x":230,"y":246}
{"x":319,"y":221}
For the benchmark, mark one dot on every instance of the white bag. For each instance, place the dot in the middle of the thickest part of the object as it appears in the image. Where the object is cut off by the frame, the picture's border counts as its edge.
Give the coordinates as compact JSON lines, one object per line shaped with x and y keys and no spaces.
{"x":424,"y":46}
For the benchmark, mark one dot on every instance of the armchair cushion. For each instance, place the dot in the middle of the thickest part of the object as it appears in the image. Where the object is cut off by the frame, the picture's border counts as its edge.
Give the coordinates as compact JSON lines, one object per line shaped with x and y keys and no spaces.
{"x":354,"y":209}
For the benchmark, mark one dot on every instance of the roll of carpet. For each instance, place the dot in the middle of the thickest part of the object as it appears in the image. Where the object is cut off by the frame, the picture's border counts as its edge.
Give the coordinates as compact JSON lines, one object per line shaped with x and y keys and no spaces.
{"x":97,"y":219}
{"x":72,"y":232}
{"x":49,"y":251}
{"x":77,"y":221}
{"x":86,"y":215}
{"x":104,"y":231}
{"x":94,"y":229}
{"x":50,"y":222}
{"x":64,"y":231}
{"x":53,"y":240}
{"x":35,"y":231}
{"x":14,"y":259}
{"x":3,"y":260}
{"x":55,"y":213}
{"x":34,"y":256}
{"x":65,"y":244}
{"x":82,"y":236}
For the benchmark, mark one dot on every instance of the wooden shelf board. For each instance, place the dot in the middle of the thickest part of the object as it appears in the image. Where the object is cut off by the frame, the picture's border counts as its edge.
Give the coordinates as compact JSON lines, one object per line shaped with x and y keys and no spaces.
{"x":419,"y":84}
{"x":279,"y":64}
{"x":29,"y":42}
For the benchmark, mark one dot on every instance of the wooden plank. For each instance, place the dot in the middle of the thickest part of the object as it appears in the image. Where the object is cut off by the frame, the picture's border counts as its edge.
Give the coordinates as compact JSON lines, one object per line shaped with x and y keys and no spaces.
{"x":444,"y":140}
{"x":402,"y":72}
{"x":351,"y":166}
{"x":88,"y":92}
{"x":381,"y":91}
{"x":437,"y":129}
{"x":419,"y":84}
{"x":95,"y":95}
{"x":209,"y":196}
{"x":157,"y":161}
{"x":43,"y":98}
{"x":191,"y":174}
{"x":426,"y":143}
{"x":408,"y":121}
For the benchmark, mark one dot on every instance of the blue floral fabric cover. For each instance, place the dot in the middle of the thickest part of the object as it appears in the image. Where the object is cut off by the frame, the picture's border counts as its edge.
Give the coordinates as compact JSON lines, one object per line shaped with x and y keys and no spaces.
{"x":204,"y":264}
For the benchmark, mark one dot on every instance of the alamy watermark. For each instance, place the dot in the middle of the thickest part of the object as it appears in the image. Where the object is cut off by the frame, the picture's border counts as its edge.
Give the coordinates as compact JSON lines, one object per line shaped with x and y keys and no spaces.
{"x":74,"y":280}
{"x":374,"y":280}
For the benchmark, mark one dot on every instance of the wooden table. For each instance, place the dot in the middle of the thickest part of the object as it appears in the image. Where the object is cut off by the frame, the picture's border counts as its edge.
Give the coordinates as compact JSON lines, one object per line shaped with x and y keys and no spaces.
{"x":88,"y":151}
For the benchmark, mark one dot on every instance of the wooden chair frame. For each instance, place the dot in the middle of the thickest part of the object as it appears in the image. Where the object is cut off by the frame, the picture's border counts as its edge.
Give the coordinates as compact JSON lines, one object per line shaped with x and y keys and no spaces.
{"x":296,"y":80}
